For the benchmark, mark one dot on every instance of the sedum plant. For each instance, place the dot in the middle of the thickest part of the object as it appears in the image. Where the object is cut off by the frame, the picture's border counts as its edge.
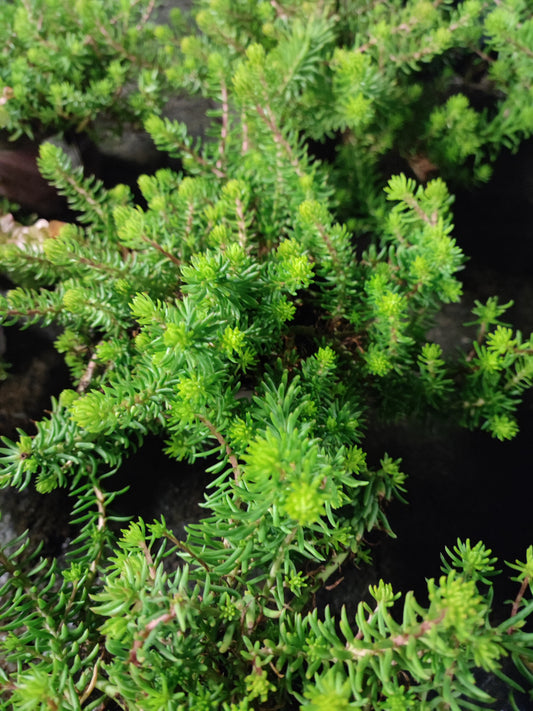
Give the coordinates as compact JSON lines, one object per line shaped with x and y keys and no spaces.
{"x":238,"y":316}
{"x":64,"y":65}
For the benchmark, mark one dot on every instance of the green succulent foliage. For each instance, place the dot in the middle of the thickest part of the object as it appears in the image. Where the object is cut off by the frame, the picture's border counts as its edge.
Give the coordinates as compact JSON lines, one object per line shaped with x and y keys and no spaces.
{"x":55,"y":651}
{"x":65,"y":64}
{"x":237,"y":316}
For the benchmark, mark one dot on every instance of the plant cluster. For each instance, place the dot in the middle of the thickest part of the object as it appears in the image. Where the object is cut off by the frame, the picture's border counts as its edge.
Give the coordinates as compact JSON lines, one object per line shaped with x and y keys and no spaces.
{"x":236,"y":315}
{"x":63,"y":65}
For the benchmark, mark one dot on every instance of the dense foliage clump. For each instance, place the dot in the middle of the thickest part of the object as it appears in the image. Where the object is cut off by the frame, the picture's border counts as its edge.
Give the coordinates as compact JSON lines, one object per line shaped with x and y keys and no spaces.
{"x":239,"y":315}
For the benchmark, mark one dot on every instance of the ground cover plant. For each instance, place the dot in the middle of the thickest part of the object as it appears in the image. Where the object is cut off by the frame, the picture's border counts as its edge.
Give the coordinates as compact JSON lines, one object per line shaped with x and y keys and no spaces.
{"x":257,"y":310}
